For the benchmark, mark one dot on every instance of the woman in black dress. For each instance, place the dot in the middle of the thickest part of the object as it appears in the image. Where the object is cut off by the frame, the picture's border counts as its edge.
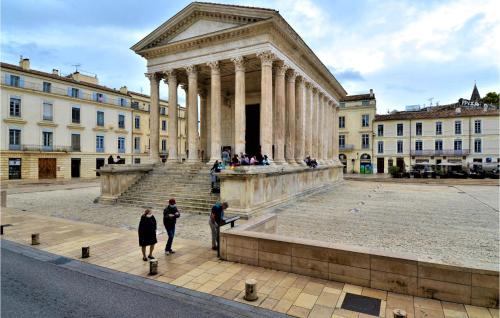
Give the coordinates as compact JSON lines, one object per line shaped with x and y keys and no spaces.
{"x":147,"y":234}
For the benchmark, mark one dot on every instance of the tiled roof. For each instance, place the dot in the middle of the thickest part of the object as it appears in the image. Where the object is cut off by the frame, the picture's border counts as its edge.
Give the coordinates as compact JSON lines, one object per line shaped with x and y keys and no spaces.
{"x":60,"y":78}
{"x":446,"y":111}
{"x":352,"y":98}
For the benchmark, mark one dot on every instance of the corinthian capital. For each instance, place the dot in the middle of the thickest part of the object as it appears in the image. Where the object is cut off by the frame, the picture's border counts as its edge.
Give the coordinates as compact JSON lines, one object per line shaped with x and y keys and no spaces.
{"x":152,"y":76}
{"x":266,"y":58}
{"x":214,"y":67}
{"x":281,"y":69}
{"x":191,"y":70}
{"x":239,"y":63}
{"x":292,"y":75}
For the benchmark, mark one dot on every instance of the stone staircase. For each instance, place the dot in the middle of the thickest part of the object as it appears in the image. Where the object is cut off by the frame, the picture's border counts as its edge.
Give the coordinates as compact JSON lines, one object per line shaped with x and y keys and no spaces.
{"x":189,"y":184}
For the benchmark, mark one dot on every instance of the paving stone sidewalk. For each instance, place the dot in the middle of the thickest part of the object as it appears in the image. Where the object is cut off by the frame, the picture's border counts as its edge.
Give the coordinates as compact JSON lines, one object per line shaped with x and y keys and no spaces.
{"x":195,"y":266}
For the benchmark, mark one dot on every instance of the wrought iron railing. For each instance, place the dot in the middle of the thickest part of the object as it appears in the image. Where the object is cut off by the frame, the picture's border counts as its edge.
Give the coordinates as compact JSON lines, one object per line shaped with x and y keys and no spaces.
{"x":446,"y":152}
{"x":41,"y":148}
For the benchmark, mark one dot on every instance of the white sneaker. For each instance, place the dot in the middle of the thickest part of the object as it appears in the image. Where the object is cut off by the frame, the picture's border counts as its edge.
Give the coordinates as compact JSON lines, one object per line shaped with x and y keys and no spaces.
{"x":167,"y":253}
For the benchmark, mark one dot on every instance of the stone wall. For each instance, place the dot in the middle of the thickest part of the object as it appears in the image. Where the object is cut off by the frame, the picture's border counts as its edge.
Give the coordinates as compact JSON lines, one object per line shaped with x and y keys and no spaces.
{"x":250,"y":189}
{"x":116,"y":179}
{"x":398,"y":273}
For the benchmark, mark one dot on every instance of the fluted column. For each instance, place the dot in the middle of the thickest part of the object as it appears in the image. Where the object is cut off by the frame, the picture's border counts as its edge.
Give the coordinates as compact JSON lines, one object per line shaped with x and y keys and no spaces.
{"x":192,"y":113}
{"x":184,"y":131}
{"x":308,"y":121}
{"x":154,"y":118}
{"x":326,"y":125}
{"x":171,"y":81}
{"x":290,"y":118}
{"x":331,"y":141}
{"x":215,"y":111}
{"x":266,"y":104}
{"x":314,"y":126}
{"x":203,"y":123}
{"x":239,"y":105}
{"x":320,"y":128}
{"x":299,"y":120}
{"x":279,"y":128}
{"x":335,"y":133}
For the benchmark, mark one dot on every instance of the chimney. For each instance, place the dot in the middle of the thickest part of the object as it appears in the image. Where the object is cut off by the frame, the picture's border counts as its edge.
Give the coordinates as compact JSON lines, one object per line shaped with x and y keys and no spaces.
{"x":124,"y":89}
{"x":24,"y":63}
{"x":55,"y":71}
{"x":371,"y":92}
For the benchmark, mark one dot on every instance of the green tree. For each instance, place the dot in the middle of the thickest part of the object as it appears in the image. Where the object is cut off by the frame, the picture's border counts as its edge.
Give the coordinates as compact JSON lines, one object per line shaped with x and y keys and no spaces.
{"x":491,"y":98}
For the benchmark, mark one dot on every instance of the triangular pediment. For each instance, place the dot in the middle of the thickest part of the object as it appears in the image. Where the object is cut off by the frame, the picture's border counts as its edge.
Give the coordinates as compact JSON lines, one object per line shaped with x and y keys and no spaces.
{"x":198,"y":19}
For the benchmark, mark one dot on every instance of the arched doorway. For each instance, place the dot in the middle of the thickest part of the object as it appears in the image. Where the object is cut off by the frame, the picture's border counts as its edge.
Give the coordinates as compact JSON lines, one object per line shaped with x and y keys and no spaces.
{"x":365,"y":164}
{"x":343,"y":159}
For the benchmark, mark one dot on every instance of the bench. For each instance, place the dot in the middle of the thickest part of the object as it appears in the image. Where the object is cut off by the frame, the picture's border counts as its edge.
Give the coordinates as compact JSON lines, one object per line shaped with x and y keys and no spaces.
{"x":226,"y":221}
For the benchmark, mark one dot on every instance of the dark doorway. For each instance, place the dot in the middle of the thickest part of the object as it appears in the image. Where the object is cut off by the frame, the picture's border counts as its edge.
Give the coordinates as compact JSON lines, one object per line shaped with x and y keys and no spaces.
{"x":252,"y":131}
{"x":47,"y":168}
{"x":99,"y":162}
{"x":14,"y":168}
{"x":75,"y":167}
{"x":400,"y":163}
{"x":380,"y":165}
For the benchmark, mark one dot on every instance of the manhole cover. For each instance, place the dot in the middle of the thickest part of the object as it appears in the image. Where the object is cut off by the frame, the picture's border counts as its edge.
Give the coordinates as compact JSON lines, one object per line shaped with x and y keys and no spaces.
{"x":362,"y":304}
{"x":60,"y":260}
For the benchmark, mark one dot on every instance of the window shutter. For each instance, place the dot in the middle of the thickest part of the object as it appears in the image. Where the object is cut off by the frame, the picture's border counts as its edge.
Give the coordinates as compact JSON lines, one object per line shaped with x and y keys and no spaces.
{"x":69,"y":91}
{"x":80,"y":93}
{"x":104,"y":98}
{"x":21,"y":81}
{"x":94,"y":96}
{"x":7,"y":79}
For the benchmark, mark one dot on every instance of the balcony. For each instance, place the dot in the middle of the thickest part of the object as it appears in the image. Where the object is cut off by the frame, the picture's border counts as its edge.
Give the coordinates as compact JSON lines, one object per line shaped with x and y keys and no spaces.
{"x":41,"y":148}
{"x":346,"y":147}
{"x":440,"y":153}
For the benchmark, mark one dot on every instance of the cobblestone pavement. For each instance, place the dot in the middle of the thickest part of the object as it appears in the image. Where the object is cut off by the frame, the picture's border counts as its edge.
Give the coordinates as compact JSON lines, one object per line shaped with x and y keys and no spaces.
{"x":451,"y":224}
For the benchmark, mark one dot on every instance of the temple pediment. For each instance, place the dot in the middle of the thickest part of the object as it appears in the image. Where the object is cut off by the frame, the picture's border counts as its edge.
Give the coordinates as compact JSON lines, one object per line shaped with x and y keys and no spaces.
{"x":202,"y":27}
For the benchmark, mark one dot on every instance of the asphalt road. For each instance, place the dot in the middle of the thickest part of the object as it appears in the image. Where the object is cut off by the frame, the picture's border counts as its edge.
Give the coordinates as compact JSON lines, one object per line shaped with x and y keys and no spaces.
{"x":31,"y":287}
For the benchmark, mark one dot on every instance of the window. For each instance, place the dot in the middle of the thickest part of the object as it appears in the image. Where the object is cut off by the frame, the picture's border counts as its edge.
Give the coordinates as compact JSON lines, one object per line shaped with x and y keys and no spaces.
{"x":380,"y":147}
{"x":99,"y":97}
{"x":100,"y":118}
{"x":418,"y":145}
{"x":137,"y":122}
{"x":74,"y":92}
{"x":15,"y":107}
{"x":457,"y":145}
{"x":75,"y":142}
{"x":14,"y":139}
{"x":400,"y":146}
{"x":137,"y":160}
{"x":47,"y":140}
{"x":365,"y":103}
{"x":400,"y":129}
{"x":380,"y":130}
{"x":477,"y":126}
{"x":365,"y":141}
{"x":48,"y":111}
{"x":47,"y":87}
{"x":75,"y":115}
{"x":121,"y":121}
{"x":342,"y":104}
{"x":365,"y":120}
{"x":99,"y":143}
{"x":418,"y":129}
{"x":163,"y":145}
{"x":137,"y":144}
{"x":135,"y":105}
{"x":341,"y":121}
{"x":439,"y":128}
{"x":123,"y":102}
{"x":477,"y":145}
{"x":438,"y":145}
{"x":341,"y":141}
{"x":162,"y":111}
{"x":15,"y":81}
{"x":458,"y":127}
{"x":164,"y":125}
{"x":121,"y":144}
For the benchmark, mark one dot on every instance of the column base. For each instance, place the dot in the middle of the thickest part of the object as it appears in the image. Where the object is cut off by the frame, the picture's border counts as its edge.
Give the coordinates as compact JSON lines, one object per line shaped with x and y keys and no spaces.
{"x":281,"y":162}
{"x":300,"y":162}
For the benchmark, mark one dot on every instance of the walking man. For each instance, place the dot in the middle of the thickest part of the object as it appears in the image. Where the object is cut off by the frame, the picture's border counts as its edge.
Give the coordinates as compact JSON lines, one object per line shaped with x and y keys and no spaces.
{"x":170,"y":216}
{"x":216,"y":220}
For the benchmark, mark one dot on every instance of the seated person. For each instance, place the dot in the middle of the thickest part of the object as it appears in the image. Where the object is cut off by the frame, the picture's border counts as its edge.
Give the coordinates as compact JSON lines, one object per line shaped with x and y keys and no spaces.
{"x":253,"y":161}
{"x":265,"y":161}
{"x":235,"y":161}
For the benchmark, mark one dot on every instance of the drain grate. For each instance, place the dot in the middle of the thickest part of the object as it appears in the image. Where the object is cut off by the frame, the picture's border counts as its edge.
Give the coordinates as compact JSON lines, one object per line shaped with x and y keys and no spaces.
{"x":362,"y":304}
{"x":60,"y":260}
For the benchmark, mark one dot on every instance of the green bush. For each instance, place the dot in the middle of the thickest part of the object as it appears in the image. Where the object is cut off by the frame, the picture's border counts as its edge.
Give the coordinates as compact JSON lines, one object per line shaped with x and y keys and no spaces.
{"x":394,"y":171}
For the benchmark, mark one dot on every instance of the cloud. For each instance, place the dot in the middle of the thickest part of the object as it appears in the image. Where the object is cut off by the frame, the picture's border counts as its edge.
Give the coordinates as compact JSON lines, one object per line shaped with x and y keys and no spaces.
{"x":348,"y":75}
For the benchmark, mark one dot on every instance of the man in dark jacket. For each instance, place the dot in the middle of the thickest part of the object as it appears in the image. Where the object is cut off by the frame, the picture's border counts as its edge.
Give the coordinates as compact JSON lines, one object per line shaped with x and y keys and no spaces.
{"x":216,"y":220}
{"x":170,"y":215}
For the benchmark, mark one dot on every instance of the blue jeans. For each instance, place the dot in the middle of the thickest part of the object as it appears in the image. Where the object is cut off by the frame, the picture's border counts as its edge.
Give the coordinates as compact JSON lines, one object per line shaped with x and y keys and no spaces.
{"x":171,"y":234}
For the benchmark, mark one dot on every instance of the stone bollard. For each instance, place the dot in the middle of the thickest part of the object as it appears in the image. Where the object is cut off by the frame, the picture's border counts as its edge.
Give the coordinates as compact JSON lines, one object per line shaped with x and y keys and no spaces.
{"x":85,"y":251}
{"x":251,"y":290}
{"x":3,"y":198}
{"x":1,"y":229}
{"x":35,"y":239}
{"x":399,"y":313}
{"x":153,"y":267}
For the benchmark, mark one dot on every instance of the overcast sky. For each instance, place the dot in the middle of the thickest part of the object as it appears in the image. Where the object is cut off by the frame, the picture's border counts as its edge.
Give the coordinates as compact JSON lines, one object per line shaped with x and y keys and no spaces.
{"x":407,"y":51}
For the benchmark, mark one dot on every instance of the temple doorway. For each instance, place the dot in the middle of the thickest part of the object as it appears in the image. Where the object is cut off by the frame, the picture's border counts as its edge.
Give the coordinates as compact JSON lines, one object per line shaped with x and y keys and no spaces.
{"x":252,"y":132}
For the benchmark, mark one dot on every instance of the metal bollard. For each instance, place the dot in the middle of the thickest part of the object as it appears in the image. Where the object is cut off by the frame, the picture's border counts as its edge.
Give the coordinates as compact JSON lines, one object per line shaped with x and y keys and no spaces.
{"x":85,"y":251}
{"x":251,"y":290}
{"x":35,"y":239}
{"x":153,"y":267}
{"x":1,"y":229}
{"x":399,"y":313}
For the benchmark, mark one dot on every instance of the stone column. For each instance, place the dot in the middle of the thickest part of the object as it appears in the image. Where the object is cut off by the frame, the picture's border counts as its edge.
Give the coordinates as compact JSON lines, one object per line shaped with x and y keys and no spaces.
{"x":335,"y":146}
{"x":209,"y":123}
{"x":331,"y":140}
{"x":203,"y":122}
{"x":215,"y":111}
{"x":321,"y":128}
{"x":314,"y":125}
{"x":185,"y":132}
{"x":326,"y":127}
{"x":308,"y":121}
{"x":239,"y":105}
{"x":154,"y":118}
{"x":192,"y":113}
{"x":171,"y":80}
{"x":299,"y":120}
{"x":290,"y":118}
{"x":279,"y":128}
{"x":266,"y":104}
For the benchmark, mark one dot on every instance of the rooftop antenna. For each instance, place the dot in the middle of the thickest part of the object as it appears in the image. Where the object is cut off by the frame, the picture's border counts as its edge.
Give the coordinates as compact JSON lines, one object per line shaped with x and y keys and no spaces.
{"x":76,"y":67}
{"x":430,"y":100}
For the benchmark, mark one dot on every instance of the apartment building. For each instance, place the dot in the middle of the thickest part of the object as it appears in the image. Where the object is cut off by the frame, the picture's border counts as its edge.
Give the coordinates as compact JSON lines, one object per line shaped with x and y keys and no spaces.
{"x":56,"y":126}
{"x":356,"y":114}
